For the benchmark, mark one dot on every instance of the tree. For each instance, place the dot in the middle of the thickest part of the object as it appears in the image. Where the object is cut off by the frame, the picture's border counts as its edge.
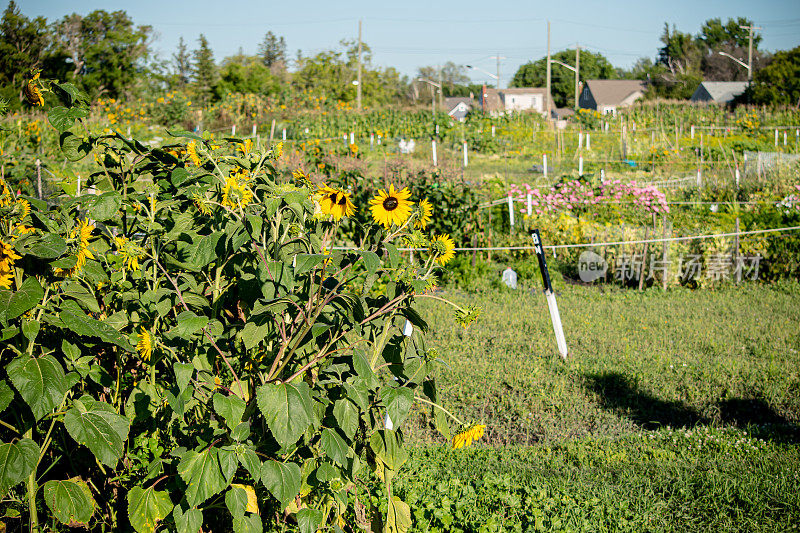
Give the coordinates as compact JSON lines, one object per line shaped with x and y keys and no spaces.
{"x":204,"y":70}
{"x":105,"y":50}
{"x":245,"y":74}
{"x":183,"y":64}
{"x":680,"y":53}
{"x":451,"y":75}
{"x":23,"y":43}
{"x":272,"y":50}
{"x":779,"y":82}
{"x":715,"y":35}
{"x":534,"y":74}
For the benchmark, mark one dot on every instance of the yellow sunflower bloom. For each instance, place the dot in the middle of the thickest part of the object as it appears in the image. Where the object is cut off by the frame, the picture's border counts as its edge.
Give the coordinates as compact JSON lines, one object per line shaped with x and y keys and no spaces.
{"x":6,"y":275}
{"x":145,"y":345}
{"x":425,"y":212}
{"x":444,"y":247}
{"x":191,"y":149}
{"x":465,"y":438}
{"x":335,"y":202}
{"x":84,"y":233}
{"x":235,"y":194}
{"x":391,"y":207}
{"x":129,"y":251}
{"x":32,"y":91}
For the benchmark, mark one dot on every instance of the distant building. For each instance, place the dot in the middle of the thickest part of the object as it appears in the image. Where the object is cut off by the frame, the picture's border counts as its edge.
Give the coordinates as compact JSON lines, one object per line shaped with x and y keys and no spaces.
{"x":718,"y":92}
{"x":458,"y":106}
{"x":606,"y":96}
{"x":498,"y":101}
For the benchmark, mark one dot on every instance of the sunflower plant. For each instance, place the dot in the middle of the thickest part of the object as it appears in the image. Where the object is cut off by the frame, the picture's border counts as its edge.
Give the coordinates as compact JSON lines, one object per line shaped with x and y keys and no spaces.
{"x":200,"y":345}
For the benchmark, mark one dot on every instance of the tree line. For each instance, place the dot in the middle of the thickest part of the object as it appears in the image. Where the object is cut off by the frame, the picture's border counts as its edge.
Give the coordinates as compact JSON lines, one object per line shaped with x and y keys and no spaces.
{"x":107,"y":54}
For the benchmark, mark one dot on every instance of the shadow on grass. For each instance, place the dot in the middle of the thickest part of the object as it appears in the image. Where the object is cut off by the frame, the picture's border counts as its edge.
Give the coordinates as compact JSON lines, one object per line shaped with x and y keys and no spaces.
{"x":620,"y":394}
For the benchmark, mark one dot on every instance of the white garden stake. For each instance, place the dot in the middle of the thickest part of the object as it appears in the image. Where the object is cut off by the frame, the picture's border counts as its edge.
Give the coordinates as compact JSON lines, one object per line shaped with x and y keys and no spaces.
{"x":588,"y":142}
{"x":371,"y":140}
{"x":580,"y":165}
{"x":776,"y":136}
{"x":233,"y":130}
{"x":544,"y":164}
{"x":466,"y":158}
{"x":530,"y":204}
{"x":492,"y":130}
{"x":284,"y":134}
{"x":692,"y":132}
{"x":433,"y":152}
{"x":737,"y":175}
{"x":511,"y":210}
{"x":784,"y":138}
{"x":580,"y":139}
{"x":352,"y":137}
{"x":555,"y":317}
{"x":255,"y":129}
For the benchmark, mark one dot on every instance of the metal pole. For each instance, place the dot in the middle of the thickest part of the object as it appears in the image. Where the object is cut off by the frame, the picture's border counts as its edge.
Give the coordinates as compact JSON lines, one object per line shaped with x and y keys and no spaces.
{"x":577,"y":70}
{"x":358,"y":88}
{"x":547,"y":96}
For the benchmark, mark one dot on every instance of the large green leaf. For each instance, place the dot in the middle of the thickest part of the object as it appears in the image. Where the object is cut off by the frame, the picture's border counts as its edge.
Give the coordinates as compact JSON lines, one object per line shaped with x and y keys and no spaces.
{"x":6,"y":395}
{"x":70,"y":501}
{"x":187,"y":522}
{"x":99,"y":427}
{"x":40,"y":382}
{"x":203,"y":474}
{"x":82,"y":324}
{"x":250,"y":523}
{"x":230,"y":408}
{"x":309,"y":520}
{"x":282,"y":480}
{"x":189,"y":324}
{"x":74,"y":146}
{"x":146,"y":507}
{"x":398,"y":516}
{"x":63,"y":118}
{"x":334,"y":446}
{"x":386,"y":447}
{"x":17,"y":461}
{"x":26,"y":298}
{"x":50,"y":246}
{"x":398,"y":402}
{"x":346,"y":414}
{"x":105,"y":206}
{"x":287,"y":408}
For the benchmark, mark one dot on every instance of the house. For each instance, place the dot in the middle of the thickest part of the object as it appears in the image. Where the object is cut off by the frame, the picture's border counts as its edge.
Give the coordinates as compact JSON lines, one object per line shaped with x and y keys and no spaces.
{"x":606,"y":96}
{"x":458,"y":107}
{"x":497,"y":101}
{"x":718,"y":92}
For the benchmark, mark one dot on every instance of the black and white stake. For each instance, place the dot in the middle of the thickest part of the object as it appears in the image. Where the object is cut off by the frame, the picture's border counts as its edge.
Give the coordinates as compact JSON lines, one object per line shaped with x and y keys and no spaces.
{"x":555,"y":317}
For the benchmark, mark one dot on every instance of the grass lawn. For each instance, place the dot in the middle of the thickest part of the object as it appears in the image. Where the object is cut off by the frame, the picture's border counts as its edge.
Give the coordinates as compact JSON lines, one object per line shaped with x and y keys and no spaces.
{"x":674,"y":411}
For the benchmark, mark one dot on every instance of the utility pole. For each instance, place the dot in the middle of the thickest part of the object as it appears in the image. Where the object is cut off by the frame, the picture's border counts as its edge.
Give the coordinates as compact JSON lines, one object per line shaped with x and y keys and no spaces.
{"x":358,"y":85}
{"x":547,"y":96}
{"x":441,"y":87}
{"x":577,"y":70}
{"x":498,"y":70}
{"x":750,"y":29}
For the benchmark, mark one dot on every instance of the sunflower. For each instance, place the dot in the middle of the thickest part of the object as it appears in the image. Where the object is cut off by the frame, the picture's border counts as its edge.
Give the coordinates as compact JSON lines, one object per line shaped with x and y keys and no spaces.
{"x":84,"y":233}
{"x":425,"y":212}
{"x":335,"y":202}
{"x":444,"y":247}
{"x":145,"y":345}
{"x":191,"y":149}
{"x":465,"y":438}
{"x":32,"y":91}
{"x":391,"y":207}
{"x":129,"y":251}
{"x":24,"y":207}
{"x":6,"y":275}
{"x":235,"y":194}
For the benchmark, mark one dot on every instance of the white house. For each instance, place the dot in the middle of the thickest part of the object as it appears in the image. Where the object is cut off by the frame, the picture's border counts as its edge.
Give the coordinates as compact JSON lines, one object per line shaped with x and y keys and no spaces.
{"x":514,"y":99}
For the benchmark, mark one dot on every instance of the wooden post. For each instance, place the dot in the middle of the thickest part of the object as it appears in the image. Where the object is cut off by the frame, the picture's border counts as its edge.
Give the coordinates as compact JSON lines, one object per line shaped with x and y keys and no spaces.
{"x":474,"y":252}
{"x":39,"y":178}
{"x":644,"y":259}
{"x":272,"y":131}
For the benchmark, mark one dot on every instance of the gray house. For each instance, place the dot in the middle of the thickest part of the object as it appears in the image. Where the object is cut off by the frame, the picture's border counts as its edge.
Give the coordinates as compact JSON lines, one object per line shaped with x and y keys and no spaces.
{"x":718,"y":92}
{"x":458,"y":107}
{"x":606,"y":96}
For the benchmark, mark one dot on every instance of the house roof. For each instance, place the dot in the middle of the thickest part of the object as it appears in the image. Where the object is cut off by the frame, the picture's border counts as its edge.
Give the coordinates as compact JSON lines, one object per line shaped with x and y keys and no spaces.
{"x":495,"y":97}
{"x":720,"y":91}
{"x":451,"y":102}
{"x":613,"y":92}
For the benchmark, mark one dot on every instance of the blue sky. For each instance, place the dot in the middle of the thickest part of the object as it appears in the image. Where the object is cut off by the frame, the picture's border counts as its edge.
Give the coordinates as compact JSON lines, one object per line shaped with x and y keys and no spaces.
{"x":407,"y":34}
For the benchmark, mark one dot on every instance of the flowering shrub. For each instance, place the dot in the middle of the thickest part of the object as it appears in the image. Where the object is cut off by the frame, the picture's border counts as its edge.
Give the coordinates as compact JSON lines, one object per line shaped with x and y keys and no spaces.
{"x":193,"y":347}
{"x":574,"y":194}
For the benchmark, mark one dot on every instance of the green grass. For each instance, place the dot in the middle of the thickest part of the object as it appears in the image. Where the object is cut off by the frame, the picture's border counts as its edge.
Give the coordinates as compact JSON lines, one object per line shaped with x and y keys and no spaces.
{"x":675,"y":411}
